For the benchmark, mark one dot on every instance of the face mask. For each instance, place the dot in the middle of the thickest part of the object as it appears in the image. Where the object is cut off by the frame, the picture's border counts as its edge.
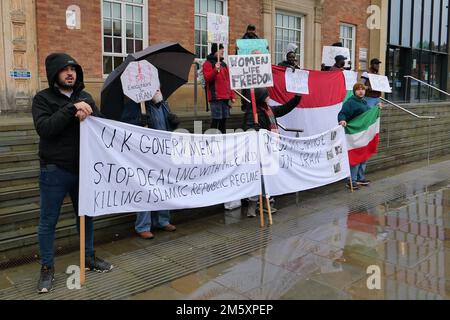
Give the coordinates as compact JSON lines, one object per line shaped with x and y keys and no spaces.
{"x":157,"y":98}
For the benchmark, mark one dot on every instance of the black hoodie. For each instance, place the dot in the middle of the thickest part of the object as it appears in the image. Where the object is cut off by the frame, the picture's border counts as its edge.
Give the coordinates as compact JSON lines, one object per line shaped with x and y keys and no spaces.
{"x":54,"y":116}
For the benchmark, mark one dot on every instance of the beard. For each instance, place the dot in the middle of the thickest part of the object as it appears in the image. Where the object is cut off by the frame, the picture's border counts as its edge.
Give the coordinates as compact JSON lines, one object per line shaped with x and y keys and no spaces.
{"x":63,"y":85}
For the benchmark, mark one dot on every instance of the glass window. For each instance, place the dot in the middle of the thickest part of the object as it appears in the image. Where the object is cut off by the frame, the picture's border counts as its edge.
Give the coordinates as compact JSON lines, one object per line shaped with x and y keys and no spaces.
{"x":395,"y":23}
{"x":288,"y":29}
{"x":348,"y":39}
{"x":124,"y":30}
{"x":436,"y":25}
{"x":444,"y":27}
{"x":427,"y":13}
{"x":406,"y":23}
{"x":417,"y":23}
{"x":202,"y":7}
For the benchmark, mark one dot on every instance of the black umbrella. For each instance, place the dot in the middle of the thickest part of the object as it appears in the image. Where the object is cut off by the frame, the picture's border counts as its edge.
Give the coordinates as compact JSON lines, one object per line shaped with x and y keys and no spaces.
{"x":173,"y":63}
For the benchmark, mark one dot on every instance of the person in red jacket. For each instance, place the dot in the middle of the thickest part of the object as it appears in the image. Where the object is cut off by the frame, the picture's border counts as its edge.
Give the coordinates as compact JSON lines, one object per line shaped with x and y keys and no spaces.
{"x":218,"y":87}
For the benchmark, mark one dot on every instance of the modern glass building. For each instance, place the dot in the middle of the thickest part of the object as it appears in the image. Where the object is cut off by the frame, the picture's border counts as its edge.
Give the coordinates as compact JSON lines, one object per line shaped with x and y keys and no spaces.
{"x":417,"y":46}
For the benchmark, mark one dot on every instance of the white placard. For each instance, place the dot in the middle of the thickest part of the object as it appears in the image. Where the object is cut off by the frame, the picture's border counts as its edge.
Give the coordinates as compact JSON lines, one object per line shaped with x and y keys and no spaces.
{"x":250,"y":71}
{"x":329,"y":53}
{"x":297,"y":164}
{"x":379,"y":83}
{"x":140,"y":81}
{"x":218,"y":26}
{"x":127,"y":168}
{"x":351,"y":78}
{"x":297,"y":82}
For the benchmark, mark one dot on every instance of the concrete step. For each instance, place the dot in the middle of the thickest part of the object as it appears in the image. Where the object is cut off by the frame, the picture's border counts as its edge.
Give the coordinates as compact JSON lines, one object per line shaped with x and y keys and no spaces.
{"x":19,"y":140}
{"x":19,"y":173}
{"x":25,"y":216}
{"x":19,"y":192}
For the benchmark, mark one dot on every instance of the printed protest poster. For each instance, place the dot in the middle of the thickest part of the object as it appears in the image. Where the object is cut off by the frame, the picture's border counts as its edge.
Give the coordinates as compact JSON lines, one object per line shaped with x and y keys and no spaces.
{"x":140,"y":81}
{"x":127,"y":168}
{"x":252,"y":46}
{"x":297,"y":164}
{"x":297,"y":81}
{"x":250,"y":71}
{"x":217,"y":28}
{"x":379,"y":83}
{"x":329,"y":53}
{"x":351,"y":78}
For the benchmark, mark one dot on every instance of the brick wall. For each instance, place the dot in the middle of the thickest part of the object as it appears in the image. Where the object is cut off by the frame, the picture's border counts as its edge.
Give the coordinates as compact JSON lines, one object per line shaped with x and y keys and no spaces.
{"x":350,"y":12}
{"x":84,"y":45}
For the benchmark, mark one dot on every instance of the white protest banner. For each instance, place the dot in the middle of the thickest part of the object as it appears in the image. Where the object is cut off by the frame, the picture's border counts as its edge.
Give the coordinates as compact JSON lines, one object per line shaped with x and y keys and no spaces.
{"x":126,"y":168}
{"x":297,"y":164}
{"x":217,"y":28}
{"x":379,"y":83}
{"x":250,"y":71}
{"x":351,"y":78}
{"x":140,"y":81}
{"x":329,"y":53}
{"x":298,"y":81}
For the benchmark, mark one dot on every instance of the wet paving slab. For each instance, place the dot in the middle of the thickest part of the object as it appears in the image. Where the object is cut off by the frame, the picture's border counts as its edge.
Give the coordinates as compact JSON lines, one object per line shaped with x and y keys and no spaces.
{"x":319,"y":249}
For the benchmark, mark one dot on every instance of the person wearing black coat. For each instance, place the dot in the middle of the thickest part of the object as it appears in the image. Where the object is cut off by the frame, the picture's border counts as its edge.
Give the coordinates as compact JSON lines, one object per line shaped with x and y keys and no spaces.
{"x":57,"y":112}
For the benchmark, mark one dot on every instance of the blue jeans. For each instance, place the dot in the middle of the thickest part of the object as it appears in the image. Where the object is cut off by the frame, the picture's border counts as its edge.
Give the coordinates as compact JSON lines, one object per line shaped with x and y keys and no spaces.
{"x":144,"y":221}
{"x":358,"y":172}
{"x":372,"y":102}
{"x":55,"y":183}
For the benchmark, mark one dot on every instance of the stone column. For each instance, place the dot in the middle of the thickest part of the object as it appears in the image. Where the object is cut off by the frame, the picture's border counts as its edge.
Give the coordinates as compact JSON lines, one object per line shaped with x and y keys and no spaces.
{"x":378,"y":37}
{"x":19,"y":53}
{"x":267,"y":16}
{"x":318,"y":13}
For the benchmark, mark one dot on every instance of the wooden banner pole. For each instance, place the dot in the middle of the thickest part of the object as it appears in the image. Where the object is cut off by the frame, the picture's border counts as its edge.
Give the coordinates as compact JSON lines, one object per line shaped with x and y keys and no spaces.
{"x":269,"y":210}
{"x":82,"y":250}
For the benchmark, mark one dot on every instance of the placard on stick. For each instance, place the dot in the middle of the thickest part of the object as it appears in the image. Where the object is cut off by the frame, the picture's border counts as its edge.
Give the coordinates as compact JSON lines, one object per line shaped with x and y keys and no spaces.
{"x":252,"y":46}
{"x":217,"y":28}
{"x":140,"y":81}
{"x":329,"y":53}
{"x":298,"y":81}
{"x":250,"y":71}
{"x":379,"y":83}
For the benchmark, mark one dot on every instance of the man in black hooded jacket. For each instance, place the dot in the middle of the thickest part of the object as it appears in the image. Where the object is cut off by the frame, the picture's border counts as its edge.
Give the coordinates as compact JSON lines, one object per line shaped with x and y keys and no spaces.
{"x":57,"y":112}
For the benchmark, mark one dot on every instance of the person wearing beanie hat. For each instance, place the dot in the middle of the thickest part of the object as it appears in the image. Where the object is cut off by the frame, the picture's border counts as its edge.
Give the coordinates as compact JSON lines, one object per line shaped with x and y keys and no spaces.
{"x":353,"y":107}
{"x":218,"y":88}
{"x":57,"y":113}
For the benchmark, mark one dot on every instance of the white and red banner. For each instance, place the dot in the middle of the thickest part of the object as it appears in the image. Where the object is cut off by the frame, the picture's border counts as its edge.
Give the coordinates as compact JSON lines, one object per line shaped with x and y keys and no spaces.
{"x":318,"y":110}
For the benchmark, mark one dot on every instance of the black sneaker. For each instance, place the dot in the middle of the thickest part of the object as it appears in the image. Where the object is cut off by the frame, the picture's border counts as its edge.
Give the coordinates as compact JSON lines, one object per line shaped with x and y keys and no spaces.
{"x":355,"y":186}
{"x":46,"y":279}
{"x":363,"y":182}
{"x":98,"y":265}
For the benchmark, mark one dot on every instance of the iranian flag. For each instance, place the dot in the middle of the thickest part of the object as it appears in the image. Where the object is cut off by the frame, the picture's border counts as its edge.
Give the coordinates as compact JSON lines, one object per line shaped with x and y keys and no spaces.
{"x":317,"y":111}
{"x":363,"y":135}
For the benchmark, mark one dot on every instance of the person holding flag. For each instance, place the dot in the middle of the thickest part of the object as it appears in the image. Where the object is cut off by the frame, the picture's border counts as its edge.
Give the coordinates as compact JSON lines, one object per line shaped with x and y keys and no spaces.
{"x":362,"y":126}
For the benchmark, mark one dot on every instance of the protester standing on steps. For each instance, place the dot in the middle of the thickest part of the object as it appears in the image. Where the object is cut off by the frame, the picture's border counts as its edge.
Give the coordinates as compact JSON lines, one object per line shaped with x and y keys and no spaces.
{"x":57,"y":113}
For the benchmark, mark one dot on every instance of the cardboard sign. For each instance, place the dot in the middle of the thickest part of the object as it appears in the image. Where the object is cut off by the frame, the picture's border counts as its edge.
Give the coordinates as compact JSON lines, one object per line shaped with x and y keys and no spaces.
{"x":297,"y":82}
{"x":351,"y":78}
{"x":140,"y":81}
{"x":252,"y":46}
{"x":217,"y":28}
{"x":379,"y":83}
{"x":250,"y":71}
{"x":329,"y":53}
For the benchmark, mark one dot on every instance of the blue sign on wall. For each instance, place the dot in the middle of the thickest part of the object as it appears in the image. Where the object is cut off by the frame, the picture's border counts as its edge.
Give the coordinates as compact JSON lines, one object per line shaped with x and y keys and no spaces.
{"x":20,"y":74}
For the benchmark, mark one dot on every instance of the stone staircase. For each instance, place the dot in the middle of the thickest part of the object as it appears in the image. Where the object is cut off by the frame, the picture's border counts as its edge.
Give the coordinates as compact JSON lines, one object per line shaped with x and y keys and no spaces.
{"x":404,"y":139}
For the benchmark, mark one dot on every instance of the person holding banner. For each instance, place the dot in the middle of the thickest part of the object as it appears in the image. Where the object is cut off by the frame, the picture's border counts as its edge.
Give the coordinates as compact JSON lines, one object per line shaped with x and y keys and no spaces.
{"x":158,"y":117}
{"x":219,"y":91}
{"x":372,"y":97}
{"x":266,"y":120}
{"x":340,"y":63}
{"x":353,"y":107}
{"x":57,"y":112}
